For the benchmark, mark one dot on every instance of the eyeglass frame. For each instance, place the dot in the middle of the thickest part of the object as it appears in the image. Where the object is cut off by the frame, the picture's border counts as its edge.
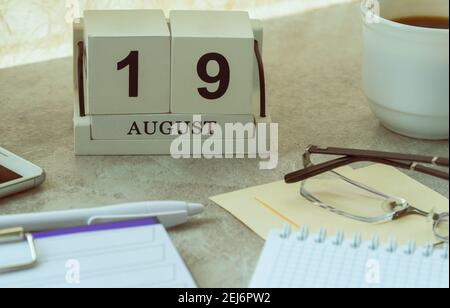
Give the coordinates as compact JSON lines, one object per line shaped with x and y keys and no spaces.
{"x":401,"y":207}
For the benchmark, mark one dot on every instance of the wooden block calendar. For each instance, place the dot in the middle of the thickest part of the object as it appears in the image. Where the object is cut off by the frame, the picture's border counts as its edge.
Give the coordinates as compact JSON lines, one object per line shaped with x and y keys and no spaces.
{"x":137,"y":74}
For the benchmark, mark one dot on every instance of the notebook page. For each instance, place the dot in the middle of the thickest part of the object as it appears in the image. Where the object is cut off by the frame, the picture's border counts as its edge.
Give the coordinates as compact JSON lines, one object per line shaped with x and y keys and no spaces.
{"x":293,"y":263}
{"x":131,"y":257}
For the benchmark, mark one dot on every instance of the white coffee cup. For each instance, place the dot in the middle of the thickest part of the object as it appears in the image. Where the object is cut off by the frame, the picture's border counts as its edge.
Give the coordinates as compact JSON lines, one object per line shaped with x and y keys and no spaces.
{"x":406,"y":68}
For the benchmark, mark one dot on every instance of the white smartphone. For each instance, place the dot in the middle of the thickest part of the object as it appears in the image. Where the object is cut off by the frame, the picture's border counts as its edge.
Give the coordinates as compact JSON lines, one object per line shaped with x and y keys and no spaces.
{"x":17,"y":174}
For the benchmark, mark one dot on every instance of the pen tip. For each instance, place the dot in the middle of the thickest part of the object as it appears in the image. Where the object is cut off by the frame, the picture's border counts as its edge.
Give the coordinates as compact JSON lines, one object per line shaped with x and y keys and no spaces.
{"x":195,"y":208}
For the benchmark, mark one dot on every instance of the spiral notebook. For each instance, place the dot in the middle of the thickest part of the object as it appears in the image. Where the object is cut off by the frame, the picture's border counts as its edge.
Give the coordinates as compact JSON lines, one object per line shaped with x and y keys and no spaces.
{"x":301,"y":260}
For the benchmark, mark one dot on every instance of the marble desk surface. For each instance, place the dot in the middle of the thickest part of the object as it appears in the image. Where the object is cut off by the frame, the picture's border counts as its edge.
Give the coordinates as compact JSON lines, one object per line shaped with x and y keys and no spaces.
{"x":313,"y":63}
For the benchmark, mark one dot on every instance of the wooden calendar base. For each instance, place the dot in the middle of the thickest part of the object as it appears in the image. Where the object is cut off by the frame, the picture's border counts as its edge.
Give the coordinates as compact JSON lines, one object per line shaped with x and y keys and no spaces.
{"x":86,"y":145}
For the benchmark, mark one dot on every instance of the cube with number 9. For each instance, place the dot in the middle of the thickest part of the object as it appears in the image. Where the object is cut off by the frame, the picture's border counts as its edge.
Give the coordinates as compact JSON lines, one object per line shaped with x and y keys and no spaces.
{"x":212,"y":62}
{"x":128,"y":62}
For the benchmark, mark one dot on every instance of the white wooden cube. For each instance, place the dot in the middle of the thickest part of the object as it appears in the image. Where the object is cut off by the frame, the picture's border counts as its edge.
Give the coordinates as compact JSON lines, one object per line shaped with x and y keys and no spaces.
{"x":128,"y":62}
{"x":212,"y":62}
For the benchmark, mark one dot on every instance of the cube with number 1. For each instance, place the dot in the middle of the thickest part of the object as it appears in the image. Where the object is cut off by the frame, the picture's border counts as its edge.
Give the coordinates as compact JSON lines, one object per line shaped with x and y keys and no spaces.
{"x":128,"y":66}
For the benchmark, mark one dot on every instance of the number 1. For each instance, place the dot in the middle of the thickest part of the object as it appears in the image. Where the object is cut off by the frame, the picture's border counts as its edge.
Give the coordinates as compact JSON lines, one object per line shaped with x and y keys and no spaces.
{"x":132,"y":60}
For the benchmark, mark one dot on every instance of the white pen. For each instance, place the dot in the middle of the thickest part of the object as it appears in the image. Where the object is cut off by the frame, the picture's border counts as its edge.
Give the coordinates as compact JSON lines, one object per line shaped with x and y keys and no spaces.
{"x":169,"y":214}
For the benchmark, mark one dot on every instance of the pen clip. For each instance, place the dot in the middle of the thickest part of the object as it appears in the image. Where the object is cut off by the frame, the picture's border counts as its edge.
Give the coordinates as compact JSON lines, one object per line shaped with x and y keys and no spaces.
{"x":114,"y":218}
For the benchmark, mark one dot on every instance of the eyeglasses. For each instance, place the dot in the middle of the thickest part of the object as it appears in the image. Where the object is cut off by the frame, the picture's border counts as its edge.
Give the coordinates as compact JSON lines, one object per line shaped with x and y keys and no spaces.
{"x":325,"y":186}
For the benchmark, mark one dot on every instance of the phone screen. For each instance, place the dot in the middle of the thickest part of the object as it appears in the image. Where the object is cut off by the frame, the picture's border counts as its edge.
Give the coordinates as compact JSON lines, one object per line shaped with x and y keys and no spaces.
{"x":7,"y":175}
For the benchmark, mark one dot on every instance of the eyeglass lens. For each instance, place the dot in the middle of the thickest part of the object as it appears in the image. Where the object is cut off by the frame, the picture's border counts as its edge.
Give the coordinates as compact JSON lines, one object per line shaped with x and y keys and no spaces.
{"x":442,"y":228}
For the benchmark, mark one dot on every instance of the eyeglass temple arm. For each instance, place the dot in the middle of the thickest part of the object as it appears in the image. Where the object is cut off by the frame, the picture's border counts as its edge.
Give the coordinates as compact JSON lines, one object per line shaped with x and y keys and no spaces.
{"x":438,"y":161}
{"x":318,"y":169}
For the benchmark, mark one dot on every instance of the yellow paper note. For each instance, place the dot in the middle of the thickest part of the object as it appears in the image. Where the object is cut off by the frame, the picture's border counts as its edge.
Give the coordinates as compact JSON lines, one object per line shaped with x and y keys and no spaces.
{"x":274,"y":205}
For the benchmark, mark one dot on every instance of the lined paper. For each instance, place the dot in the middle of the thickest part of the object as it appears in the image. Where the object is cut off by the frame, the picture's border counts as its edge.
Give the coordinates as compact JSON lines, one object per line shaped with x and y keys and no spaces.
{"x":295,"y":263}
{"x":121,"y":258}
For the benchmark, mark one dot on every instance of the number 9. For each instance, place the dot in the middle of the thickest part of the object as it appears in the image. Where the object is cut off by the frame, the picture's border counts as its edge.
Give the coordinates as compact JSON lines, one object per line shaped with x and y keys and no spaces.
{"x":223,"y":77}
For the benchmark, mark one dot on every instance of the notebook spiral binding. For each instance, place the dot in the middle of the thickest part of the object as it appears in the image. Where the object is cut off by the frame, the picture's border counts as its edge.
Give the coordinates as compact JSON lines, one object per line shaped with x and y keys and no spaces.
{"x":356,"y":242}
